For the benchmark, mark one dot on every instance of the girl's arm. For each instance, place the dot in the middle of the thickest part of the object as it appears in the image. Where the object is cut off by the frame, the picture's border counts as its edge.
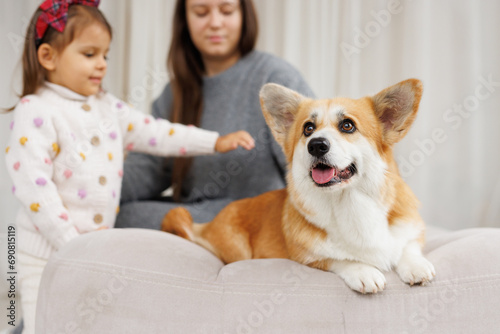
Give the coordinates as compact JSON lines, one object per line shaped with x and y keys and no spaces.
{"x":145,"y":134}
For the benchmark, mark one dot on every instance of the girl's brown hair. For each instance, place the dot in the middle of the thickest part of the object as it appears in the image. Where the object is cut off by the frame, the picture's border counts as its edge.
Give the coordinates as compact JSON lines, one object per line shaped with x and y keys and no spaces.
{"x":185,"y":67}
{"x":79,"y":17}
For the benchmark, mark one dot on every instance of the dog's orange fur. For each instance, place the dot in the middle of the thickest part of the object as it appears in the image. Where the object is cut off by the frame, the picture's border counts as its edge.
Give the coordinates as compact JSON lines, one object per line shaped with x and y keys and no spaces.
{"x":273,"y":225}
{"x":233,"y":236}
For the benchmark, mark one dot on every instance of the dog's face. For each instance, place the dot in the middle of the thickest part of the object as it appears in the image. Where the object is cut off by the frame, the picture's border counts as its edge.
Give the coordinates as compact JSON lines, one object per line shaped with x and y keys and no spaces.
{"x":332,"y":144}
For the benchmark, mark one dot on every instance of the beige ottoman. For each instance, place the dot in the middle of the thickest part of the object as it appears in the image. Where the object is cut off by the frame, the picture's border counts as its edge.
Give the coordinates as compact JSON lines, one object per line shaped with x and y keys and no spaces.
{"x":143,"y":281}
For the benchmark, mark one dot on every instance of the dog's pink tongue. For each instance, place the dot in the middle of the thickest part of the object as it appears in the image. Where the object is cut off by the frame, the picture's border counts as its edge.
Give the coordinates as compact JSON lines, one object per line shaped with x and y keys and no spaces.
{"x":323,"y":175}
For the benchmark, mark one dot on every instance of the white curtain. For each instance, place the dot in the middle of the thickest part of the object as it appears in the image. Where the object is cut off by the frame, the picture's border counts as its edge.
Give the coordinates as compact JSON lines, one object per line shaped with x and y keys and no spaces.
{"x":351,"y":48}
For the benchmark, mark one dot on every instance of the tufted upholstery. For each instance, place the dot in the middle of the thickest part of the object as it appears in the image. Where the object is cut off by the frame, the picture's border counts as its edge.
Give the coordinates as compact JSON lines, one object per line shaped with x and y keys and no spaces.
{"x":143,"y":281}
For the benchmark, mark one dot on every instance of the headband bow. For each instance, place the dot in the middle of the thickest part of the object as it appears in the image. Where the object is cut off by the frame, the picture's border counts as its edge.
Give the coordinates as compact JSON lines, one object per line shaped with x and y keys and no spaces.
{"x":55,"y":14}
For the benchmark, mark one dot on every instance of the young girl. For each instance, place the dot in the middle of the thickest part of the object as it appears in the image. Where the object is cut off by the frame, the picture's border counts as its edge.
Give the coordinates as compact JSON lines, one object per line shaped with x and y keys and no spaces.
{"x":65,"y":152}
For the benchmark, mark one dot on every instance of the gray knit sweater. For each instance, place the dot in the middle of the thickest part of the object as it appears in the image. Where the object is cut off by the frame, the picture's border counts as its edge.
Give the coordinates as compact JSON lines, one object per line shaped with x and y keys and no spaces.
{"x":230,"y":103}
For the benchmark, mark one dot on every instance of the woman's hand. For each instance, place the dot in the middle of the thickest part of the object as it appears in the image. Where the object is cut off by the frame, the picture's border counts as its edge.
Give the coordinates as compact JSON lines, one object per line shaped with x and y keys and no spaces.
{"x":231,"y":142}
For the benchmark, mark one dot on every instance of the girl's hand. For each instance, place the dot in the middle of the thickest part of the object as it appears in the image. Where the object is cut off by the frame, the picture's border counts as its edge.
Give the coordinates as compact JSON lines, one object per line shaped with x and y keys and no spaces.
{"x":231,"y":142}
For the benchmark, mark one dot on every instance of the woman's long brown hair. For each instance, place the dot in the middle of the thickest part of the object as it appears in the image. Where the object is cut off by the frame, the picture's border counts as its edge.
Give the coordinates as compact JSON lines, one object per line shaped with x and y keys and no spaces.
{"x":186,"y":70}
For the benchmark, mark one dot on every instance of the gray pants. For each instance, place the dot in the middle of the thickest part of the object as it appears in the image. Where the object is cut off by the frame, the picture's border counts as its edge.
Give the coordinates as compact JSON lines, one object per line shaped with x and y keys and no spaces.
{"x":149,"y":214}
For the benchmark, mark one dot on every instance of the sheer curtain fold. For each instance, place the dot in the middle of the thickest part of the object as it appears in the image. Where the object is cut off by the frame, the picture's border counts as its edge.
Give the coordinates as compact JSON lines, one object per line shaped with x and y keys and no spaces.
{"x":352,"y":48}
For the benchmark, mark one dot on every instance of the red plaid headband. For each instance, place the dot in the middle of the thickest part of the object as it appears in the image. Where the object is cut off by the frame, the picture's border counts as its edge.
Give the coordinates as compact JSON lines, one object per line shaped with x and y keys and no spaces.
{"x":55,"y":14}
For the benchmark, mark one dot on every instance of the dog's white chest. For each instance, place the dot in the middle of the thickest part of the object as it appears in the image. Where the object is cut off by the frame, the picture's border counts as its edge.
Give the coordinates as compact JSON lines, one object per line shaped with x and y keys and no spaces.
{"x":358,"y":230}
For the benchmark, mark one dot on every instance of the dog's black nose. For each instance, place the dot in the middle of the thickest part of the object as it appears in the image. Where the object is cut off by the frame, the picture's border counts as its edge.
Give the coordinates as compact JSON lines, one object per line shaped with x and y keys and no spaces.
{"x":318,"y":147}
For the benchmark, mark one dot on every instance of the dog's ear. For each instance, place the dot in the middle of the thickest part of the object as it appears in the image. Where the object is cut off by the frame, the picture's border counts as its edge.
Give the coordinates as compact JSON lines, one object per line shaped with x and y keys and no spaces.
{"x":397,"y":107}
{"x":279,"y":106}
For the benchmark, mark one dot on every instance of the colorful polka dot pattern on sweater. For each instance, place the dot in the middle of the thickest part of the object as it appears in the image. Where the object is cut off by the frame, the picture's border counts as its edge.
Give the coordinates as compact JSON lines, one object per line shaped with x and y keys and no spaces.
{"x":65,"y":157}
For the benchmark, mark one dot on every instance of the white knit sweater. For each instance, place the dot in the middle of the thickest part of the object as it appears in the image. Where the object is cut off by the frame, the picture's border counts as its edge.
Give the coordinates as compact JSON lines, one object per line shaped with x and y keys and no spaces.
{"x":65,"y":157}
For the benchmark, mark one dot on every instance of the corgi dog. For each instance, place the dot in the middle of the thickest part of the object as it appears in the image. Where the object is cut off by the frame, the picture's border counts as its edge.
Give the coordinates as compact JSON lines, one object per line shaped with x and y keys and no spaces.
{"x":346,"y":208}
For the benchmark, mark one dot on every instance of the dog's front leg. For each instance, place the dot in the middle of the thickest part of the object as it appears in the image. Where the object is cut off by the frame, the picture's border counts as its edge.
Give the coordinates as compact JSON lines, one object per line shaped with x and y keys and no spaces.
{"x":413,"y":267}
{"x":359,"y":276}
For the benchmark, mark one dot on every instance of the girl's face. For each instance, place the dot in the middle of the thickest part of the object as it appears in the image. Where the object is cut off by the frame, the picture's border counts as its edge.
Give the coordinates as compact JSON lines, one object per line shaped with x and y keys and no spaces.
{"x":82,"y":65}
{"x":215,"y":27}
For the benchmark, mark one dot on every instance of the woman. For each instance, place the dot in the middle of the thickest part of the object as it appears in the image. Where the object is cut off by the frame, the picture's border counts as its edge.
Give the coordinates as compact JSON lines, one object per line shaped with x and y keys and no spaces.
{"x":216,"y":78}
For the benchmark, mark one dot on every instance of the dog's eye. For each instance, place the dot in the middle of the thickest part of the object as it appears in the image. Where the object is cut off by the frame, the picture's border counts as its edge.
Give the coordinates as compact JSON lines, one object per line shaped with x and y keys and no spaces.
{"x":309,"y":129}
{"x":347,"y":126}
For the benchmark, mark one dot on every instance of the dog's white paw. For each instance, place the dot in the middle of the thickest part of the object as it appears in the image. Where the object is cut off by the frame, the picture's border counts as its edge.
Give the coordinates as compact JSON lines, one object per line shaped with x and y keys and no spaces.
{"x":361,"y":277}
{"x":415,"y":270}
